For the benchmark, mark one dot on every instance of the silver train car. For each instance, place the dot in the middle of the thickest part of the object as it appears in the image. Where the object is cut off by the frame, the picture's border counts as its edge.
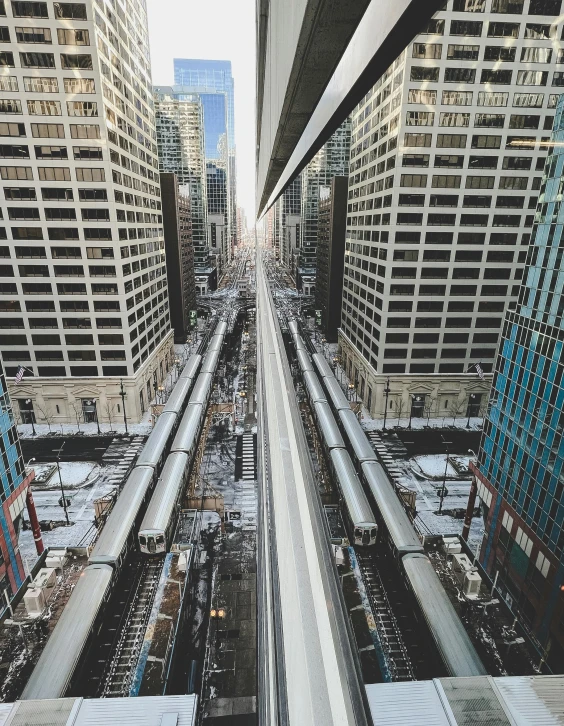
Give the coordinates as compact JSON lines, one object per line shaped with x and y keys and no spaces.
{"x":294,"y":327}
{"x":191,"y":368}
{"x":161,"y":515}
{"x":304,"y":361}
{"x":209,"y":364}
{"x":322,"y":366}
{"x":156,"y":448}
{"x":397,"y":530}
{"x":328,"y":426}
{"x":221,"y":328}
{"x":179,"y":396}
{"x":116,"y":538}
{"x":362,"y":522}
{"x":299,"y":343}
{"x":335,"y":394}
{"x":202,"y":389}
{"x":313,"y":387}
{"x":56,"y":668}
{"x":186,"y":439}
{"x":451,"y":639}
{"x":359,"y":445}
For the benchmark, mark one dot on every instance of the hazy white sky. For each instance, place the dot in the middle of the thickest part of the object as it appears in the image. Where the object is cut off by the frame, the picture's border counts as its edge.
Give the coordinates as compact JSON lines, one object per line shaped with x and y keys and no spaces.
{"x":217,"y":30}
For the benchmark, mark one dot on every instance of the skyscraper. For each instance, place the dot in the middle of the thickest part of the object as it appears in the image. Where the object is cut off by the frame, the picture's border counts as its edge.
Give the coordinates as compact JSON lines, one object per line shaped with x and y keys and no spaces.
{"x":83,"y":287}
{"x":331,"y":160}
{"x":212,"y":80}
{"x":447,"y":153}
{"x":521,"y":461}
{"x":180,"y":141}
{"x":289,"y":209}
{"x":179,"y":249}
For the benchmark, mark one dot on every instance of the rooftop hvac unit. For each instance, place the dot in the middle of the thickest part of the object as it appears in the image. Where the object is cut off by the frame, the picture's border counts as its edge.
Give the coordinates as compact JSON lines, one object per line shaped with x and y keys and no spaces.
{"x":461,"y":563}
{"x":45,"y":579}
{"x":452,"y":546}
{"x":471,"y":585}
{"x":34,"y":601}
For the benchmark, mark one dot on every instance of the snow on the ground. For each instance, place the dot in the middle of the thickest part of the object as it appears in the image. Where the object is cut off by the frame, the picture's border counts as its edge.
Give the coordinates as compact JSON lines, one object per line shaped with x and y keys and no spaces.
{"x":433,"y":466}
{"x":80,"y":510}
{"x":90,"y":429}
{"x":73,"y":473}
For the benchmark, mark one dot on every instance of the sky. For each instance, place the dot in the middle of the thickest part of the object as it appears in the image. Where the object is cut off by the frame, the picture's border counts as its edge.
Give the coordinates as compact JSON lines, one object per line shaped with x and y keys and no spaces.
{"x":214,"y":30}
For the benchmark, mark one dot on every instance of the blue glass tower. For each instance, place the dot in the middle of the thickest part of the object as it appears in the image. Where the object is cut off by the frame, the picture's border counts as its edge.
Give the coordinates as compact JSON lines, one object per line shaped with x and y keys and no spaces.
{"x":13,"y":490}
{"x":213,"y":81}
{"x":520,"y":466}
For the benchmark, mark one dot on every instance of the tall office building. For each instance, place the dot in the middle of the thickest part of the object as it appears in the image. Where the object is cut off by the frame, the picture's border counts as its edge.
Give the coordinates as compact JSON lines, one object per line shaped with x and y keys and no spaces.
{"x":213,"y":81}
{"x":179,"y":248}
{"x":447,"y":154}
{"x":13,"y":495}
{"x":521,"y":461}
{"x":180,"y":141}
{"x":83,"y":288}
{"x":330,"y":255}
{"x":290,"y":211}
{"x":331,"y":160}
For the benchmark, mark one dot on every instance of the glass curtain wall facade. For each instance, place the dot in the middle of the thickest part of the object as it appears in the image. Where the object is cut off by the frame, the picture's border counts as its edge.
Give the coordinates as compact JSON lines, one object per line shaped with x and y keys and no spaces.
{"x":520,"y":469}
{"x":180,"y":141}
{"x":213,"y":80}
{"x":289,"y":209}
{"x":13,"y":489}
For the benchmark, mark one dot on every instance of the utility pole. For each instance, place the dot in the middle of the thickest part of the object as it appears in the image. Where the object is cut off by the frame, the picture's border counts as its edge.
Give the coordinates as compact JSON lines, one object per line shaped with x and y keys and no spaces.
{"x":123,"y":394}
{"x":63,"y":500}
{"x":31,"y":414}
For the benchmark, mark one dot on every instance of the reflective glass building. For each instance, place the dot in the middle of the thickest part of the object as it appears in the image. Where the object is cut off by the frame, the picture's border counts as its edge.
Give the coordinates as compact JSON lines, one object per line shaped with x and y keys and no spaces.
{"x":212,"y":80}
{"x":13,"y":491}
{"x":520,"y":466}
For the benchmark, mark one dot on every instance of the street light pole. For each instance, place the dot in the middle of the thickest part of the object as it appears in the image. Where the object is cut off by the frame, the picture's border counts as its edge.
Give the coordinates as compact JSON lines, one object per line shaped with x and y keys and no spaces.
{"x":97,"y":420}
{"x":123,"y":394}
{"x":387,"y":393}
{"x":63,"y":500}
{"x":410,"y":412}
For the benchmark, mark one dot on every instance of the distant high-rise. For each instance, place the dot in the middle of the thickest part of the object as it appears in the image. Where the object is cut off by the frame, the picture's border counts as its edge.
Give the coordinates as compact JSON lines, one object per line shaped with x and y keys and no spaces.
{"x":289,"y":208}
{"x":331,"y":160}
{"x":179,"y":249}
{"x":330,"y":254}
{"x":84,"y":299}
{"x":447,"y":153}
{"x":521,"y":461}
{"x":212,"y":80}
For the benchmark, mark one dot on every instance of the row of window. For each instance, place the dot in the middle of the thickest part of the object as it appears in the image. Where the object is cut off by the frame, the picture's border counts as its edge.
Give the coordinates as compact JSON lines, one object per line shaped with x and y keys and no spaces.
{"x":52,"y":173}
{"x":61,"y":11}
{"x":439,"y":255}
{"x":44,"y":107}
{"x":48,"y":84}
{"x":92,"y":253}
{"x":70,"y":339}
{"x":65,"y":36}
{"x":57,"y":214}
{"x":51,"y":153}
{"x":481,"y":120}
{"x":497,"y":29}
{"x":440,"y":238}
{"x":492,"y":53}
{"x":455,"y":161}
{"x":511,"y":7}
{"x":490,"y":99}
{"x":454,"y":181}
{"x":431,"y":272}
{"x":36,"y":59}
{"x":494,"y":76}
{"x":58,"y":194}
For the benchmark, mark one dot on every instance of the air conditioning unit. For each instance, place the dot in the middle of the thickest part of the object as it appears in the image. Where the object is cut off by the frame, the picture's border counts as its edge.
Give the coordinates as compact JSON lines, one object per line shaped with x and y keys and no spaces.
{"x":34,"y":601}
{"x":471,"y":585}
{"x":452,"y":546}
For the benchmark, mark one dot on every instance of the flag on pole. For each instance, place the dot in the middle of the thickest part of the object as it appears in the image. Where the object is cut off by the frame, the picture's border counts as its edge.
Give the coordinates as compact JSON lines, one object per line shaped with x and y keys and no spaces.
{"x":19,"y":374}
{"x":479,"y":370}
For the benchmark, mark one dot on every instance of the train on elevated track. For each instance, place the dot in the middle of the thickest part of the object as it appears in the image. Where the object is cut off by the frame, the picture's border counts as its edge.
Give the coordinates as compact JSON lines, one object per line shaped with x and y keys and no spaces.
{"x":373,"y":512}
{"x":144,"y":517}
